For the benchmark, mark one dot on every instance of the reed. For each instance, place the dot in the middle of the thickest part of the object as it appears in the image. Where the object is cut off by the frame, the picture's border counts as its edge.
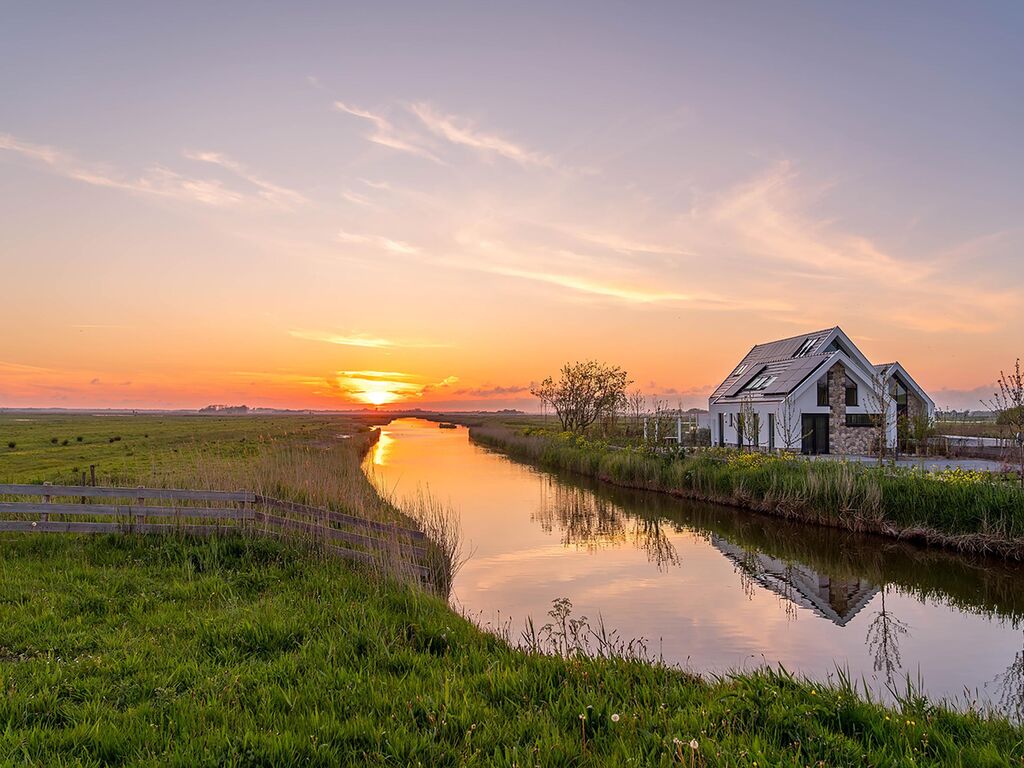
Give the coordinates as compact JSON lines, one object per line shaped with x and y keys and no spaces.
{"x":969,"y":511}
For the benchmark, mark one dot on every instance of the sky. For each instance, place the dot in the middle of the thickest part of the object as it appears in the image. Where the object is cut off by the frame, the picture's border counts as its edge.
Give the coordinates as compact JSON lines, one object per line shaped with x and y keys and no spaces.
{"x":329,"y":205}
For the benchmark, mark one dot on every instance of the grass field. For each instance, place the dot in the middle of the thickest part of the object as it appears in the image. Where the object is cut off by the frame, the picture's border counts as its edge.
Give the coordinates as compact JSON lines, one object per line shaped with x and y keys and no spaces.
{"x":126,"y":448}
{"x":132,"y":651}
{"x":246,"y":652}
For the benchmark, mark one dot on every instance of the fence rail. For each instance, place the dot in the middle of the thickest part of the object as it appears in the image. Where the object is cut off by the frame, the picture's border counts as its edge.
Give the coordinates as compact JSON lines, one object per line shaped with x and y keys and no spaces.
{"x":243,"y":511}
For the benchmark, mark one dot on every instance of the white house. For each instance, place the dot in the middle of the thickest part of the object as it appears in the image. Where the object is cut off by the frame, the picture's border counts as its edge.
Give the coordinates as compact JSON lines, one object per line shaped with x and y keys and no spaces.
{"x":815,"y":393}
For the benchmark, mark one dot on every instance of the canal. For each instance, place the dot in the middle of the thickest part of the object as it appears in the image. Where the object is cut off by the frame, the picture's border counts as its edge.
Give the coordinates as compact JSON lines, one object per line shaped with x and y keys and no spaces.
{"x":710,"y":588}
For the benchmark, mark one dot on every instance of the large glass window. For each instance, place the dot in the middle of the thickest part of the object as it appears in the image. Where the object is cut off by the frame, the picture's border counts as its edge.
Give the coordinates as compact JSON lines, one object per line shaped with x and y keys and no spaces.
{"x":823,"y":392}
{"x":851,"y":392}
{"x":861,"y":419}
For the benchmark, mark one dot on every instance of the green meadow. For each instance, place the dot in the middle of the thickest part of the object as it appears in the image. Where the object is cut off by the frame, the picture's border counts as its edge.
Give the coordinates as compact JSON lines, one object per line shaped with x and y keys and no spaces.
{"x":230,"y":651}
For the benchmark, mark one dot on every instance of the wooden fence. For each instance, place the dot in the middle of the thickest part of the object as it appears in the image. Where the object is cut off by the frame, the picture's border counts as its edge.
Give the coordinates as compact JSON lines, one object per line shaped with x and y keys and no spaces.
{"x":205,"y":513}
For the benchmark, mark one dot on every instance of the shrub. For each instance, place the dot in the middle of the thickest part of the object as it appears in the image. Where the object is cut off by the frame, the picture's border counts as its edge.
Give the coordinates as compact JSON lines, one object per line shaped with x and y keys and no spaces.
{"x":78,"y":439}
{"x":65,"y":441}
{"x":53,"y":440}
{"x":11,"y":444}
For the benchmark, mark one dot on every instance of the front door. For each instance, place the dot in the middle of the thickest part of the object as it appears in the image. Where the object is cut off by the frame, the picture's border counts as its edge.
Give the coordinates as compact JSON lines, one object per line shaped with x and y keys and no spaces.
{"x":815,"y":433}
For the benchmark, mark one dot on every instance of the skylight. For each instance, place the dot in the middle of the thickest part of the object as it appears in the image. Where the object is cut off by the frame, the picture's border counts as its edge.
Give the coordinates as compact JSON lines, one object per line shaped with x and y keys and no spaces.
{"x":806,"y":347}
{"x":761,"y":382}
{"x":740,"y":370}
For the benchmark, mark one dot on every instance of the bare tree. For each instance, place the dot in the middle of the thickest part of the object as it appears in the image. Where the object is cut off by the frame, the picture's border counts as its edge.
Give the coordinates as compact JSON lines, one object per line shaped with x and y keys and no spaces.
{"x":881,"y":400}
{"x":790,"y":424}
{"x":586,"y":392}
{"x":749,"y":427}
{"x":1008,"y":405}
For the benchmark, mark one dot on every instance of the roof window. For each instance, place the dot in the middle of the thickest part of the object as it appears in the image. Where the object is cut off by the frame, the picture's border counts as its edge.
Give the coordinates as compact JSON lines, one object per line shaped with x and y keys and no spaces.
{"x":806,"y":347}
{"x":761,"y":382}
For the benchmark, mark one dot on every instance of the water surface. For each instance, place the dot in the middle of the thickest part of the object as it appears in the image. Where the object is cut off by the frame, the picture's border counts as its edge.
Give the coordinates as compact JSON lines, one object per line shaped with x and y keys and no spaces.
{"x":713,"y":588}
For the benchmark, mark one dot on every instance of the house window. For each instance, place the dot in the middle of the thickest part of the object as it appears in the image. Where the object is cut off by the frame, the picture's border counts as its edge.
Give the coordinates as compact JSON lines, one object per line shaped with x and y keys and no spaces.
{"x":806,"y":348}
{"x":851,"y":393}
{"x":861,"y":420}
{"x":740,"y":369}
{"x":771,"y":431}
{"x":823,"y":392}
{"x":760,"y":382}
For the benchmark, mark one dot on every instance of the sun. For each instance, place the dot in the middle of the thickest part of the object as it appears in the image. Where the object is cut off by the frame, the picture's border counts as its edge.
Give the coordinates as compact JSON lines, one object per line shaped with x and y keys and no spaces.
{"x":378,"y":394}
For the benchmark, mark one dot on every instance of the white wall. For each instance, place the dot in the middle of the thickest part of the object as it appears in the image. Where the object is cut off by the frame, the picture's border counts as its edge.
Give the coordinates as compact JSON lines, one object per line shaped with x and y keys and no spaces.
{"x":805,"y":402}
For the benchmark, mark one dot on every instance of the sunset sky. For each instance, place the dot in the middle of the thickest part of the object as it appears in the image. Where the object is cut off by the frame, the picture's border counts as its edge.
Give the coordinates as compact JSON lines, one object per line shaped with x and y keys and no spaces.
{"x":432,"y":205}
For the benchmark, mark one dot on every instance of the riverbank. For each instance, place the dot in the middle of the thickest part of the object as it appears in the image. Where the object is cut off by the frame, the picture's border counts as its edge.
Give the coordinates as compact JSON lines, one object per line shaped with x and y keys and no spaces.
{"x":969,"y":512}
{"x":174,"y":651}
{"x":148,"y":651}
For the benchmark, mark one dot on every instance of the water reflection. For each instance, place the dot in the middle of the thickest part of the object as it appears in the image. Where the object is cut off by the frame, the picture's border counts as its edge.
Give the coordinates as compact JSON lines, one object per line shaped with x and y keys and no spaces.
{"x":883,"y":638}
{"x":712,"y":587}
{"x":586,"y":520}
{"x":837,"y":599}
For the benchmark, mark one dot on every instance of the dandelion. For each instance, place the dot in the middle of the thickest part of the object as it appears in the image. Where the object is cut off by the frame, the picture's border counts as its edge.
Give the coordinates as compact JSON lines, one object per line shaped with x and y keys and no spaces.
{"x":694,"y":745}
{"x":34,"y":523}
{"x":615,"y":717}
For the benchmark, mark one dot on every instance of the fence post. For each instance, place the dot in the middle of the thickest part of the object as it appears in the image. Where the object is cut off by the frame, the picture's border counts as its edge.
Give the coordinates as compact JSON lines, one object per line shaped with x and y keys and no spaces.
{"x":92,"y":474}
{"x":83,"y":484}
{"x":142,"y":500}
{"x":44,"y":516}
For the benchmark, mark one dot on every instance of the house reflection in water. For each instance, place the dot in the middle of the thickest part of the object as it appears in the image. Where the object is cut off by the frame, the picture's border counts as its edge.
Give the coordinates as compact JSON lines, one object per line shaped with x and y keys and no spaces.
{"x":835,"y":599}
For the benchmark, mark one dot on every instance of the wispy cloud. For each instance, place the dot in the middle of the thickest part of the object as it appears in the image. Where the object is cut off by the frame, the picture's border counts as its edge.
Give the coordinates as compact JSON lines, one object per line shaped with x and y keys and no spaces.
{"x":492,"y":391}
{"x":461,"y":131}
{"x":583,"y":285}
{"x":363,"y":340}
{"x":157,"y":180}
{"x":272,"y":193}
{"x":377,"y":241}
{"x":766,"y":220}
{"x":385,"y":133}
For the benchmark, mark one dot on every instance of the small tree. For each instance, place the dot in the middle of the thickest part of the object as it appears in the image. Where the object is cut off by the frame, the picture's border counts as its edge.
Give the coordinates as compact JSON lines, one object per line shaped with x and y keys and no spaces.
{"x":585,"y":392}
{"x":749,"y":427}
{"x":1008,"y":405}
{"x":881,"y":399}
{"x":790,"y":425}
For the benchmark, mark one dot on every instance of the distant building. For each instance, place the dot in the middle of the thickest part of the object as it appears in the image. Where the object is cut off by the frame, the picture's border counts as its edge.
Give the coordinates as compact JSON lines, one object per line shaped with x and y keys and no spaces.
{"x":815,"y":393}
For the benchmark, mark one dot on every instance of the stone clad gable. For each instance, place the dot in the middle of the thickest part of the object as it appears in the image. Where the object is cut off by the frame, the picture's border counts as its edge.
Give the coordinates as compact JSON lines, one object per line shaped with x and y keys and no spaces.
{"x":844,"y":440}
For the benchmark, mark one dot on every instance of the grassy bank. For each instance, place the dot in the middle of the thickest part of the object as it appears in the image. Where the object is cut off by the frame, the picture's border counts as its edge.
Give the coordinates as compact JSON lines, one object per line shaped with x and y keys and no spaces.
{"x":968,"y":511}
{"x":176,"y":652}
{"x":310,"y":459}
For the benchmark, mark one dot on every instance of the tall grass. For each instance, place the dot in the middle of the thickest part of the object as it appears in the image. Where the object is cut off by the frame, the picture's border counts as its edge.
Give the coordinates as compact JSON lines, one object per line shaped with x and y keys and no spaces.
{"x":234,"y":652}
{"x":319,"y":470}
{"x":966,"y":512}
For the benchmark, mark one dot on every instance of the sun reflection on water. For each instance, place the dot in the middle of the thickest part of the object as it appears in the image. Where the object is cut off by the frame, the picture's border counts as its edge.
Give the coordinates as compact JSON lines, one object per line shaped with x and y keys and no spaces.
{"x":382,"y":450}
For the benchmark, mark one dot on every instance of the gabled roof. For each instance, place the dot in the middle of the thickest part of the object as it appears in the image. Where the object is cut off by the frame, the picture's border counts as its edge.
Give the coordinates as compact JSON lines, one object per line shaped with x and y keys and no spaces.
{"x":779,"y":359}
